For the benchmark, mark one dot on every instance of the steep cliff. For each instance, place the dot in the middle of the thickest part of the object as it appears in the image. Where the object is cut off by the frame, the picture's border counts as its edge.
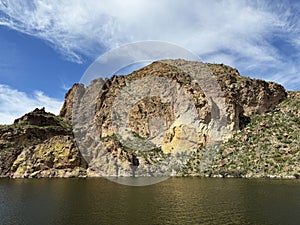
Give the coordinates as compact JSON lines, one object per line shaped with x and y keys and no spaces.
{"x":152,"y":113}
{"x":261,"y":120}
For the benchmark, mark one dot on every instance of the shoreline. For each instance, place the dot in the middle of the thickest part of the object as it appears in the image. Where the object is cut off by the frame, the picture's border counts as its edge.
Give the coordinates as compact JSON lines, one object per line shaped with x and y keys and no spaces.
{"x":272,"y":177}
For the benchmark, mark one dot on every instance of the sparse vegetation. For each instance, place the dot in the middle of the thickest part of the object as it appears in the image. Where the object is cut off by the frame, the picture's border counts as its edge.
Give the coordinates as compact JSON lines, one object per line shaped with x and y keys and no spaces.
{"x":268,"y":146}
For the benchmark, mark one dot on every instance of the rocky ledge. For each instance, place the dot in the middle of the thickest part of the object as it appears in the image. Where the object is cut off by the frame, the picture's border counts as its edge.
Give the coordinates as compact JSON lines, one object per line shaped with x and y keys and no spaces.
{"x":263,"y":120}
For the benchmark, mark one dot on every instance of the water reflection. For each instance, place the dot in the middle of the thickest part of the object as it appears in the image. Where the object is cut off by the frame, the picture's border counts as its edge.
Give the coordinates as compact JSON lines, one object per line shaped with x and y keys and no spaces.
{"x":174,"y":201}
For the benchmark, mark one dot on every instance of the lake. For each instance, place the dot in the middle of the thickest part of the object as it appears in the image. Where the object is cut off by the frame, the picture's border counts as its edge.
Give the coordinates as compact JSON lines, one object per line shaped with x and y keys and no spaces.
{"x":174,"y":201}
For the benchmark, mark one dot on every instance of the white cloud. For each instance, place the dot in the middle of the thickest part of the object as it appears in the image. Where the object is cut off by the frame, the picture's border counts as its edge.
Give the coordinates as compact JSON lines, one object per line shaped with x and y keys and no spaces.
{"x":240,"y":30}
{"x":14,"y":103}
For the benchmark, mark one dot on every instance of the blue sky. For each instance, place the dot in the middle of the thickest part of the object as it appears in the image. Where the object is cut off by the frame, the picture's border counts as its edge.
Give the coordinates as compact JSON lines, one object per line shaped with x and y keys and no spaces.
{"x":46,"y":45}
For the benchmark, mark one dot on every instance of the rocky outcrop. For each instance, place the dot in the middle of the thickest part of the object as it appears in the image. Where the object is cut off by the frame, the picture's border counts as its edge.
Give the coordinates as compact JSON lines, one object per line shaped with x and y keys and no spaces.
{"x":268,"y":146}
{"x":102,"y":104}
{"x":127,"y":124}
{"x":39,"y":144}
{"x":55,"y":157}
{"x":67,"y":108}
{"x":246,"y":97}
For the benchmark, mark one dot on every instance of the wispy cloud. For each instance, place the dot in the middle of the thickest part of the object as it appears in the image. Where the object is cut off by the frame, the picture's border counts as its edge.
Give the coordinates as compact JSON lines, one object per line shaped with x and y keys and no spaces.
{"x":14,"y":103}
{"x":237,"y":32}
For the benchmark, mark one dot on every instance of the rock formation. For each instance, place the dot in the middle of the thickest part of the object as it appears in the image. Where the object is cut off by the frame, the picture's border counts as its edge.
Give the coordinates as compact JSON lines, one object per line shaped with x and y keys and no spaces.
{"x":257,"y":143}
{"x":39,"y":144}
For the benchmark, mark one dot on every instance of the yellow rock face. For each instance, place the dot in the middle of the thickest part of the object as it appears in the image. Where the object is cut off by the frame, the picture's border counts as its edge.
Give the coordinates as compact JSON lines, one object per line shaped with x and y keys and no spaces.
{"x":180,"y":138}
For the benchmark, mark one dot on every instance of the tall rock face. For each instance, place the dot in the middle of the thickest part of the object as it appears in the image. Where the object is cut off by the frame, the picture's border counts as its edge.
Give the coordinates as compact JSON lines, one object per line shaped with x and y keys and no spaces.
{"x":99,"y":107}
{"x":66,"y":110}
{"x":246,"y":97}
{"x":108,"y":127}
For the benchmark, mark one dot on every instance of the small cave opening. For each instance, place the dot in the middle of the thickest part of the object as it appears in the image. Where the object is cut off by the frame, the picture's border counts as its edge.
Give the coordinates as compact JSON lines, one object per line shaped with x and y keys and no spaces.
{"x":243,"y":121}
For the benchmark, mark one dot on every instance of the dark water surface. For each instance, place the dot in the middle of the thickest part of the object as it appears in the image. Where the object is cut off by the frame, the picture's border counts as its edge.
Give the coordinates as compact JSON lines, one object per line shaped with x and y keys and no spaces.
{"x":174,"y":201}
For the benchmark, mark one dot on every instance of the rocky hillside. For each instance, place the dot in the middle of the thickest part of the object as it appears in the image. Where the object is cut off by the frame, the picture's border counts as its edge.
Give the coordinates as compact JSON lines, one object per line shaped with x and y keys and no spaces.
{"x":39,"y":144}
{"x":261,"y":120}
{"x":268,"y":146}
